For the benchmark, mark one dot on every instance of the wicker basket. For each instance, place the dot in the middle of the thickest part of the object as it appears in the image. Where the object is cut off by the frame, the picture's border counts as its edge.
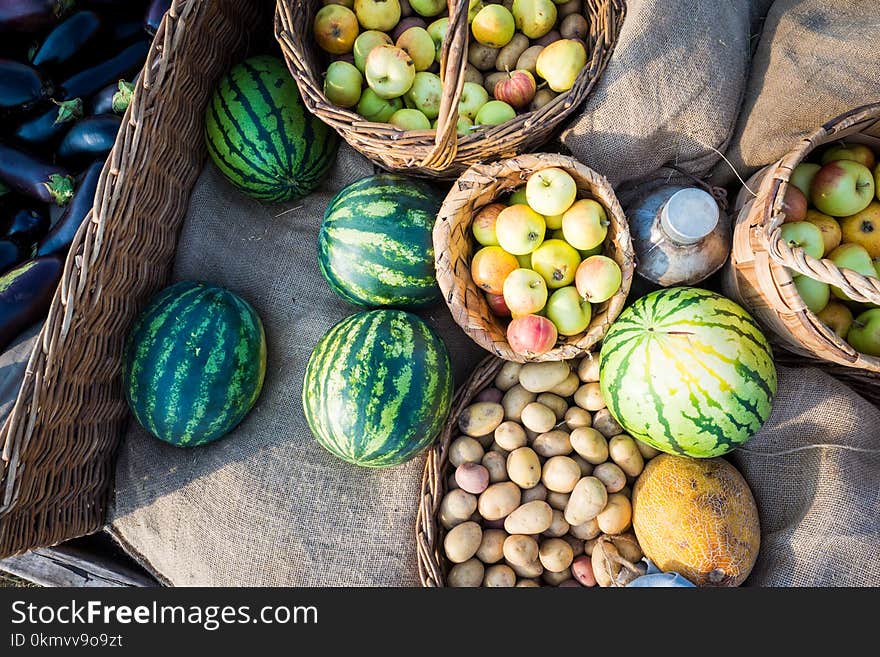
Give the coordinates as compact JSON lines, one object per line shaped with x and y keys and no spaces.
{"x":442,"y":153}
{"x":56,"y":472}
{"x":758,"y":273}
{"x":453,"y":246}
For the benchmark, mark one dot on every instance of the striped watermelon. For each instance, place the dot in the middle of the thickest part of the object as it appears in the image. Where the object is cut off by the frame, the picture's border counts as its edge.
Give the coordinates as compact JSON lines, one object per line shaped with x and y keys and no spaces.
{"x":377,"y":388}
{"x":688,"y":372}
{"x":261,"y":136}
{"x":375,"y":247}
{"x":194,"y":363}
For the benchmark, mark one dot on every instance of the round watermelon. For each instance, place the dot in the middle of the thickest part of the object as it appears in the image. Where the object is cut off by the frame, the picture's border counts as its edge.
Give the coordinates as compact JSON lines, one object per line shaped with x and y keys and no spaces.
{"x":194,"y":363}
{"x":688,"y":372}
{"x":261,"y":136}
{"x":377,"y":388}
{"x":374,"y":246}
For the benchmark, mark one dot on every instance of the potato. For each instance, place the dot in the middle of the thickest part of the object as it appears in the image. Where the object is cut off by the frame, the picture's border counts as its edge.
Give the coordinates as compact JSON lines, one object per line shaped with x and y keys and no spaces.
{"x":604,"y":423}
{"x":489,"y":395}
{"x":529,"y":59}
{"x":577,"y":418}
{"x":462,"y":541}
{"x":588,"y":498}
{"x":557,"y":500}
{"x":568,"y":8}
{"x":588,"y":370}
{"x":611,"y":475}
{"x":589,"y":544}
{"x":538,"y":417}
{"x":560,"y":474}
{"x":482,"y":57}
{"x":491,"y":548}
{"x":569,"y":584}
{"x":520,"y":550}
{"x":491,"y":80}
{"x":466,"y":574}
{"x":527,"y":584}
{"x":555,"y":554}
{"x":574,"y":26}
{"x":589,"y":444}
{"x":508,"y":376}
{"x":552,"y":443}
{"x":533,"y":569}
{"x":558,"y":527}
{"x":541,"y":377}
{"x":555,"y":579}
{"x":625,"y":453}
{"x":616,"y":517}
{"x":555,"y":403}
{"x":456,"y":507}
{"x":499,"y":500}
{"x":586,"y":468}
{"x":472,"y":74}
{"x":499,"y":575}
{"x":543,"y":97}
{"x":576,"y":544}
{"x":515,"y":400}
{"x":496,"y":464}
{"x":480,"y":419}
{"x":507,"y":56}
{"x":498,"y":449}
{"x":523,"y":467}
{"x":628,"y":546}
{"x":510,"y":435}
{"x":586,"y":531}
{"x":567,"y":387}
{"x":589,"y":397}
{"x":582,"y":569}
{"x":531,"y":518}
{"x":531,"y":436}
{"x":647,"y":451}
{"x":472,"y":477}
{"x":538,"y":492}
{"x":609,"y":566}
{"x":486,"y":441}
{"x":465,"y":450}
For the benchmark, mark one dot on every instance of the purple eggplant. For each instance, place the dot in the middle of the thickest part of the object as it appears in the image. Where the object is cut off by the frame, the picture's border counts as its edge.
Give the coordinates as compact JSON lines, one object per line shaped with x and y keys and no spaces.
{"x":31,"y":15}
{"x":61,"y":234}
{"x":155,"y":13}
{"x":124,"y":32}
{"x":21,"y":86}
{"x":68,"y":39}
{"x":92,"y":137}
{"x":12,"y":253}
{"x":112,"y":99}
{"x":27,"y":226}
{"x":35,"y":178}
{"x":26,"y":294}
{"x":51,"y":124}
{"x":88,"y":82}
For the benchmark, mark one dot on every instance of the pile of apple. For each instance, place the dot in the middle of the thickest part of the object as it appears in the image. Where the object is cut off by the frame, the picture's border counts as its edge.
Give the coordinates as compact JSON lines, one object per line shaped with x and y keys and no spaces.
{"x":386,"y":58}
{"x":832,"y":210}
{"x":540,"y":261}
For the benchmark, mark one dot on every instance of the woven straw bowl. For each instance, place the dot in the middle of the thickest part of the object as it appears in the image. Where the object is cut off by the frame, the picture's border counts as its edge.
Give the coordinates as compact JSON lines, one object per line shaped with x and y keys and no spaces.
{"x":759,"y":273}
{"x":454,"y":247}
{"x":441,"y":153}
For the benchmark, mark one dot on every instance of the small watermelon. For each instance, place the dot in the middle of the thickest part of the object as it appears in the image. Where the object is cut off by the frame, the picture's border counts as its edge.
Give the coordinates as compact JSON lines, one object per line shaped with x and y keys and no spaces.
{"x":377,"y":388}
{"x":688,"y":372}
{"x":194,"y":363}
{"x":261,"y":136}
{"x":375,"y":247}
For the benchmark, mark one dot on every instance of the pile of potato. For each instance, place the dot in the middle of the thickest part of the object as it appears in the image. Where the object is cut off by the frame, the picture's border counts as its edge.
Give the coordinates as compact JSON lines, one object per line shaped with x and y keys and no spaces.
{"x":540,"y":492}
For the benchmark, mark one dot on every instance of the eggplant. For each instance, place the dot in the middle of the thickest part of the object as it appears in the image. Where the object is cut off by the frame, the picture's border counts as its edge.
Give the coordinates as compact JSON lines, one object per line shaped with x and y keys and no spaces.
{"x":89,"y":81}
{"x":27,"y":226}
{"x":26,"y":294}
{"x":21,"y":86}
{"x":68,"y":39}
{"x":35,"y":178}
{"x":112,"y":99}
{"x":50,"y":124}
{"x":61,"y":234}
{"x":12,"y":253}
{"x":92,"y":137}
{"x":155,"y":13}
{"x":124,"y":32}
{"x":31,"y":15}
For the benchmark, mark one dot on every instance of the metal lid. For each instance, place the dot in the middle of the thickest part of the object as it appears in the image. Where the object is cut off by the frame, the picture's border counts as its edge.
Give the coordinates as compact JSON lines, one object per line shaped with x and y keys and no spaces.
{"x":689,"y":215}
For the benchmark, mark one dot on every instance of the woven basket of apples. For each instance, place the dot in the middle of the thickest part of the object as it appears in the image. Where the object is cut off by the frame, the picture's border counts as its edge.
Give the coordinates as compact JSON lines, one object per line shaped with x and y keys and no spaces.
{"x":806,"y":247}
{"x":430,"y":87}
{"x":533,"y":256}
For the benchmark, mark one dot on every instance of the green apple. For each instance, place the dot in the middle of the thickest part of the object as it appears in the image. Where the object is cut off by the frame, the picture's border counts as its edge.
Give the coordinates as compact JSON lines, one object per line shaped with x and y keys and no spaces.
{"x":864,"y":334}
{"x":518,"y":196}
{"x":389,"y":71}
{"x":554,"y":222}
{"x":855,"y":152}
{"x":596,"y":250}
{"x":493,"y":26}
{"x":561,"y":62}
{"x":794,"y":204}
{"x":569,"y":312}
{"x":365,"y":42}
{"x":373,"y":107}
{"x":877,"y":266}
{"x":585,"y":224}
{"x":550,"y":191}
{"x":854,"y":257}
{"x":802,"y":176}
{"x":438,"y":30}
{"x":534,"y":18}
{"x":410,"y":119}
{"x":520,"y":229}
{"x":525,"y":292}
{"x":483,"y":225}
{"x":805,"y":235}
{"x":474,"y":7}
{"x":495,"y":112}
{"x":377,"y":14}
{"x":419,"y":45}
{"x":464,"y":126}
{"x":524,"y":260}
{"x":877,"y":181}
{"x":425,"y":93}
{"x":837,"y":317}
{"x":829,"y":227}
{"x":427,"y":8}
{"x":342,"y":84}
{"x":815,"y":294}
{"x":842,"y":188}
{"x":556,"y":261}
{"x":598,"y":278}
{"x":472,"y":98}
{"x":335,"y":28}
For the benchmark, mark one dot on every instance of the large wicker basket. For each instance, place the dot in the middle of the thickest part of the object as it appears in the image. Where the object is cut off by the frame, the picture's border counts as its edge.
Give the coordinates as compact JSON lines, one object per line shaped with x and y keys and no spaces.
{"x":758,"y":274}
{"x":453,"y":246}
{"x":442,"y":153}
{"x":56,"y":472}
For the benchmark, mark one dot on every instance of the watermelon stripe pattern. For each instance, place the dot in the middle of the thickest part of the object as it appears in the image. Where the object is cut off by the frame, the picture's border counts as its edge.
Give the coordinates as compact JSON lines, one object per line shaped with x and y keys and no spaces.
{"x":262,"y":138}
{"x":194,"y":364}
{"x":377,"y":388}
{"x":688,"y":371}
{"x":375,"y":246}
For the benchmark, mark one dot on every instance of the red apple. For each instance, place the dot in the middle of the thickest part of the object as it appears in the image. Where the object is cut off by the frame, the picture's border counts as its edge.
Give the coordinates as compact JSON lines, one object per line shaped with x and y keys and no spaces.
{"x":516,"y":89}
{"x":531,"y":335}
{"x":497,"y":305}
{"x":794,"y":205}
{"x":405,"y":24}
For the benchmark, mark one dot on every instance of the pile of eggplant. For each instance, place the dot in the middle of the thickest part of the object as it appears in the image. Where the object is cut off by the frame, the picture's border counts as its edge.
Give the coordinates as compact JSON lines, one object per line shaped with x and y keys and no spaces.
{"x":67,"y":72}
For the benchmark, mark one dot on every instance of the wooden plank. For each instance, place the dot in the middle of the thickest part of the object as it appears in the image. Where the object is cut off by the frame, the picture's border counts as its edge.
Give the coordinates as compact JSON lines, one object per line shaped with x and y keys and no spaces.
{"x":66,"y":565}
